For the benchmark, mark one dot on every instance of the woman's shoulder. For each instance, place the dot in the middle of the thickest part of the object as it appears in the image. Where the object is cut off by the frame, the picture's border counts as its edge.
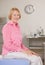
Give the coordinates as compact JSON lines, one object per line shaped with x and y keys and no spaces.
{"x":6,"y":26}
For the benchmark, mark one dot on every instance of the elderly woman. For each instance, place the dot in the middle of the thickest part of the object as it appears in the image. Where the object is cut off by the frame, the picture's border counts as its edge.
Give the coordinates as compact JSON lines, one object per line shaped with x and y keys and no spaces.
{"x":12,"y":38}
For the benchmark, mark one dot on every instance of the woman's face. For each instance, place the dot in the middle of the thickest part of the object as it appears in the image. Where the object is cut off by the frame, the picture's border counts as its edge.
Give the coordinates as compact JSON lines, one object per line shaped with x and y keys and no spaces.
{"x":15,"y":16}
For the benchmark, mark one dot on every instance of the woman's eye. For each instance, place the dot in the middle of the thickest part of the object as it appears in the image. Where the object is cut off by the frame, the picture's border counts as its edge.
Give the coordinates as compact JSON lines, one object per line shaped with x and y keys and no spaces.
{"x":14,"y":14}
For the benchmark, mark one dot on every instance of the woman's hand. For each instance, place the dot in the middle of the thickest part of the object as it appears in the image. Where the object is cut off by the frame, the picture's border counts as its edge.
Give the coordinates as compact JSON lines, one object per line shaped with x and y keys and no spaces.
{"x":29,"y":52}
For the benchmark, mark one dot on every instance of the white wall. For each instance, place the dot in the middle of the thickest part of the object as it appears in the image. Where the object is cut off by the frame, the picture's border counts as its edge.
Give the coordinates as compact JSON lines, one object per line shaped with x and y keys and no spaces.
{"x":29,"y":23}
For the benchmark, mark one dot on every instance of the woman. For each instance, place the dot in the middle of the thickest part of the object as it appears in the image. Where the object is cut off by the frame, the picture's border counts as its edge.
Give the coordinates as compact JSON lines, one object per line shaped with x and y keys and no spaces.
{"x":13,"y":39}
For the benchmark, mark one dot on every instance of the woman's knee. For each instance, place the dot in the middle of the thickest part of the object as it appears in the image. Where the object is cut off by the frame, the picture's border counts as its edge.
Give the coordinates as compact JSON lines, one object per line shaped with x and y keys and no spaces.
{"x":36,"y":58}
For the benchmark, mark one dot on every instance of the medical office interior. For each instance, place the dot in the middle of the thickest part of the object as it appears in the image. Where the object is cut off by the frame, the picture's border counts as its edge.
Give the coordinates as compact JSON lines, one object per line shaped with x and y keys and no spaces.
{"x":32,"y":22}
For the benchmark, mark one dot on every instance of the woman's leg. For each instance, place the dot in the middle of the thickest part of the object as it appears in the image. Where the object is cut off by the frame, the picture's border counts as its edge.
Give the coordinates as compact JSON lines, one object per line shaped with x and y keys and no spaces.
{"x":35,"y":60}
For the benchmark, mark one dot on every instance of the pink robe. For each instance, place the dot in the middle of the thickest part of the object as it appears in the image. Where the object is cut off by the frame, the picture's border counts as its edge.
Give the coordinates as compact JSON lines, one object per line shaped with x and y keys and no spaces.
{"x":12,"y":38}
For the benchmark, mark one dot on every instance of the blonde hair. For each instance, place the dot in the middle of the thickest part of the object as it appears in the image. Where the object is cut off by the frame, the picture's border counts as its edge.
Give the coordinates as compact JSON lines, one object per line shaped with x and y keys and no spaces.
{"x":11,"y":12}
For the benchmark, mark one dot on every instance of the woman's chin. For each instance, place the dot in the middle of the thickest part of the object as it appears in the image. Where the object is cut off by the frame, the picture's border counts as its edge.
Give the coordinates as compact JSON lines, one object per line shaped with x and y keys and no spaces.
{"x":15,"y":21}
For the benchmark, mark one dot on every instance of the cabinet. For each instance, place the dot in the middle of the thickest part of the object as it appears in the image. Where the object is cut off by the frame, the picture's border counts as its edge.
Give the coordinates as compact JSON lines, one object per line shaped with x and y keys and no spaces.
{"x":44,"y":52}
{"x":36,"y":44}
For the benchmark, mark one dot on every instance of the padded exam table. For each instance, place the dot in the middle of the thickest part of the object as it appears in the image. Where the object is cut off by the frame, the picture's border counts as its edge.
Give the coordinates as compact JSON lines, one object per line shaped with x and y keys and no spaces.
{"x":14,"y":62}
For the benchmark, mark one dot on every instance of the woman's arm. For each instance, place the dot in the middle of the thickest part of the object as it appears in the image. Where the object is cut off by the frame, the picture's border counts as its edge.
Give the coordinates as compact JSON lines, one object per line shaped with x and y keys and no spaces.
{"x":24,"y":47}
{"x":27,"y":51}
{"x":6,"y":31}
